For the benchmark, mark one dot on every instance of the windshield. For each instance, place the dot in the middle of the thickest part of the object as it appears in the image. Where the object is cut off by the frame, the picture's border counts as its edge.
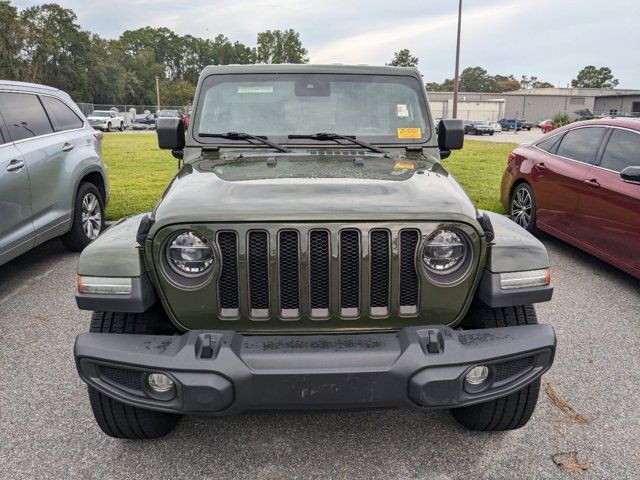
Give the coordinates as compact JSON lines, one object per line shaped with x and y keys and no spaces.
{"x":481,"y":123}
{"x":373,"y":108}
{"x":100,"y":113}
{"x":168,"y":113}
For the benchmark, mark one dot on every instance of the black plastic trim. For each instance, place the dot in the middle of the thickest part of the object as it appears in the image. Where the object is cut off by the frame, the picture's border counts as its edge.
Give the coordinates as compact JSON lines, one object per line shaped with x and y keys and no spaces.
{"x":491,"y":292}
{"x":142,"y":297}
{"x":222,"y":372}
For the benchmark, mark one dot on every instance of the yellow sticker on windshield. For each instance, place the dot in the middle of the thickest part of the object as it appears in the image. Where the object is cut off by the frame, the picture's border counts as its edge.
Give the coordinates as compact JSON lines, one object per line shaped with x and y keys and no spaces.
{"x":405,"y":165}
{"x":409,"y":133}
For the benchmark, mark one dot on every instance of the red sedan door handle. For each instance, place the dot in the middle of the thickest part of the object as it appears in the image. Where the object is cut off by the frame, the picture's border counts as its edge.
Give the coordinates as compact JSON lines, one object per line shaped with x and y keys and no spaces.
{"x":541,"y":166}
{"x":592,"y":183}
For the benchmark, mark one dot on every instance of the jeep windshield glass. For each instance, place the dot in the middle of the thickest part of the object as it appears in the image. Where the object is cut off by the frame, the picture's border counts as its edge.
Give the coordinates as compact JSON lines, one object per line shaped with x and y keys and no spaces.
{"x":378,"y":109}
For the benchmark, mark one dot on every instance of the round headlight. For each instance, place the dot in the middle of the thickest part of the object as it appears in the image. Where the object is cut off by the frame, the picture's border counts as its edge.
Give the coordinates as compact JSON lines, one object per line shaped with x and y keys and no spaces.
{"x":190,"y":254}
{"x":444,"y":252}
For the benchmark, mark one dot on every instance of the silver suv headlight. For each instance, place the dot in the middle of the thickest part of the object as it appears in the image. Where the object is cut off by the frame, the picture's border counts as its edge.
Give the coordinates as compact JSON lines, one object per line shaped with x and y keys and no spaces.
{"x":445,"y":251}
{"x":189,"y":254}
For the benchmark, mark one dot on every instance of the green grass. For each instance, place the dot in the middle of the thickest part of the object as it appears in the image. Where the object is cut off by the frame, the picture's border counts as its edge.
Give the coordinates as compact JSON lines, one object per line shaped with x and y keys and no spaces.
{"x":478,"y":167}
{"x":139,"y":172}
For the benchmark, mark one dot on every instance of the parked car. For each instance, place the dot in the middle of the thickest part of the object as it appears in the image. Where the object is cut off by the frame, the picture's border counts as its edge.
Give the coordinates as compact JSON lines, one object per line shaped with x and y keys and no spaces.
{"x":106,"y":120}
{"x":290,"y":267}
{"x":496,"y":127}
{"x":510,"y":124}
{"x":146,"y":121}
{"x":581,"y":183}
{"x":478,"y":127}
{"x":546,"y":126}
{"x":52,"y":179}
{"x":524,"y":125}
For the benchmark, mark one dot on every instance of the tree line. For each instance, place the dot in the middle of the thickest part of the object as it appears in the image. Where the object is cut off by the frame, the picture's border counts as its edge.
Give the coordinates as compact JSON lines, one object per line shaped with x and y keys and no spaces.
{"x":477,"y":79}
{"x":44,"y":44}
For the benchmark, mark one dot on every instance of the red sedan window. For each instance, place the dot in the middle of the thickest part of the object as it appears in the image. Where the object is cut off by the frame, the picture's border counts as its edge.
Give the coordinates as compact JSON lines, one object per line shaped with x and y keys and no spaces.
{"x":581,"y":144}
{"x":622,"y":150}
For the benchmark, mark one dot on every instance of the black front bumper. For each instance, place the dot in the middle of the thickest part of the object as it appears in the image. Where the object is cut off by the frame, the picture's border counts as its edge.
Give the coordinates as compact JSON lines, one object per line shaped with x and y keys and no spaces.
{"x":222,"y":372}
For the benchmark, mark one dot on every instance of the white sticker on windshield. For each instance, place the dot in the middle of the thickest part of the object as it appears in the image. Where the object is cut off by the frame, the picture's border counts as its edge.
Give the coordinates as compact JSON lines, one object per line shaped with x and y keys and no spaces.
{"x":403,"y":111}
{"x":264,"y":89}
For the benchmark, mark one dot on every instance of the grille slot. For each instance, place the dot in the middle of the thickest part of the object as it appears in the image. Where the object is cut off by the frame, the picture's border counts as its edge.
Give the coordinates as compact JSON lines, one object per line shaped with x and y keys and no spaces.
{"x":349,"y":273}
{"x":258,"y":271}
{"x":289,"y":273}
{"x":319,"y":273}
{"x":380,"y":272}
{"x":228,"y":283}
{"x":409,"y":280}
{"x":126,"y":378}
{"x":512,"y":368}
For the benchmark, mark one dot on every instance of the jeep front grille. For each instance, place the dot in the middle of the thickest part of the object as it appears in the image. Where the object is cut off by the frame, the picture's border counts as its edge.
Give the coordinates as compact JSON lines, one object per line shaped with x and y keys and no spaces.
{"x":317,"y":273}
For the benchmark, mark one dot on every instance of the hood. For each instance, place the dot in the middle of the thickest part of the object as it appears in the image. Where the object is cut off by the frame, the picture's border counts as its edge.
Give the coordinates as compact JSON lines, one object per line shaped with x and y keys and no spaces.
{"x":316,"y":186}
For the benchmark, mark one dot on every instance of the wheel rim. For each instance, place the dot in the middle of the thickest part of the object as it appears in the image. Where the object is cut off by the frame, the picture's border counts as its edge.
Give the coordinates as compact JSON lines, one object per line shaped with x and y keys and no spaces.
{"x":91,"y":216}
{"x":521,"y":207}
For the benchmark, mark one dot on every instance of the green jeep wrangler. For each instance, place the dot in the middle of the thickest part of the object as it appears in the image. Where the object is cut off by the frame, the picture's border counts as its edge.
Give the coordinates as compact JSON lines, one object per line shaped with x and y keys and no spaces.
{"x":312,"y":252}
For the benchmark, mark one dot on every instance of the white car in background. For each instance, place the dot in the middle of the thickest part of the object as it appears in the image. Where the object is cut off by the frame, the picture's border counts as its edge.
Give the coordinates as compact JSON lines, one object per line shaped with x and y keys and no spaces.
{"x":106,"y":120}
{"x":496,"y":126}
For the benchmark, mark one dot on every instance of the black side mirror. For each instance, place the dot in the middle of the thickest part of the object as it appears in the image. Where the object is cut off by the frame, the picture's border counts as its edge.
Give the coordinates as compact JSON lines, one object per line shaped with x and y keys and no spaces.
{"x":631,"y":175}
{"x":450,"y":136}
{"x":171,"y":135}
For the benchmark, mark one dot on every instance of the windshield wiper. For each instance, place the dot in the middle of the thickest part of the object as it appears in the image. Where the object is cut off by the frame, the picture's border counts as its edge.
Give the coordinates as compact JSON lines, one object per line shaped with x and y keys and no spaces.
{"x":246,"y":136}
{"x":336,"y":137}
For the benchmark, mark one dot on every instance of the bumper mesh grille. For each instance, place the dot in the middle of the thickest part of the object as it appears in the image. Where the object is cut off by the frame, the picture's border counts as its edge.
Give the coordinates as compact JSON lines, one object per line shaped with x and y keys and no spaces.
{"x":512,"y":368}
{"x":126,"y":378}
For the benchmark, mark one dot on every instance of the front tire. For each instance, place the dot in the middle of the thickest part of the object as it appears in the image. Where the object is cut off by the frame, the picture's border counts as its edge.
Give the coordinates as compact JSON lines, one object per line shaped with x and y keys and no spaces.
{"x":514,"y":410}
{"x":108,"y":127}
{"x":121,"y":128}
{"x":522,"y":207}
{"x":115,"y":418}
{"x":88,"y":218}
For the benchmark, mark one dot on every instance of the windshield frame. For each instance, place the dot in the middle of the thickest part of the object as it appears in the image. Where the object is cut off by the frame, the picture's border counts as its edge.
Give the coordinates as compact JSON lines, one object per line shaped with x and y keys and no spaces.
{"x":409,"y":80}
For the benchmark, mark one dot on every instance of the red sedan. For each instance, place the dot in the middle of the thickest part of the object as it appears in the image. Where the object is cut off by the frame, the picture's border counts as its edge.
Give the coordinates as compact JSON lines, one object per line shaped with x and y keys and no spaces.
{"x":581,"y":183}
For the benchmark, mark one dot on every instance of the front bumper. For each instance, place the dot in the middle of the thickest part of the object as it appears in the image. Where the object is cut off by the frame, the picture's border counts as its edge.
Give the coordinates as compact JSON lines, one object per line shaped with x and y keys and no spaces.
{"x":223,"y":372}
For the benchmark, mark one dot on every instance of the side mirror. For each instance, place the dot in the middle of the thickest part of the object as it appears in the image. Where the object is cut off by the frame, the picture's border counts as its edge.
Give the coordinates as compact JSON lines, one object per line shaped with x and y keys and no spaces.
{"x":450,"y":136}
{"x":631,"y":175}
{"x":171,"y":135}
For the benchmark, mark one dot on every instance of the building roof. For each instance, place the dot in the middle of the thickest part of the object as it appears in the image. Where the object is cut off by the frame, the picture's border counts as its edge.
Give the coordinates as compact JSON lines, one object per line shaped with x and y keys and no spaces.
{"x":576,"y":92}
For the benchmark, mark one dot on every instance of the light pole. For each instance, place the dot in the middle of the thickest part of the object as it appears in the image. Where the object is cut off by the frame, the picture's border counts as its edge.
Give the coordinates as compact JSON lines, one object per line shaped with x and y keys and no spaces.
{"x":157,"y":94}
{"x":456,"y":79}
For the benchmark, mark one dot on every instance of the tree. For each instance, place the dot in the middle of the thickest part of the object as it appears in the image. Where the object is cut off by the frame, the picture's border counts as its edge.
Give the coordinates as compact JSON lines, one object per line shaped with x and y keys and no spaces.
{"x":277,"y":46}
{"x":560,"y":119}
{"x":403,"y":58}
{"x":11,"y":41}
{"x":593,"y":77}
{"x":476,"y":79}
{"x":541,"y":85}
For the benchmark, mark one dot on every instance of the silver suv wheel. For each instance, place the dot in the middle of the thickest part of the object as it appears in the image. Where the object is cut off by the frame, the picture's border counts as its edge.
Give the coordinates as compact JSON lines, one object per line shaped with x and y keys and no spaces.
{"x":91,"y":216}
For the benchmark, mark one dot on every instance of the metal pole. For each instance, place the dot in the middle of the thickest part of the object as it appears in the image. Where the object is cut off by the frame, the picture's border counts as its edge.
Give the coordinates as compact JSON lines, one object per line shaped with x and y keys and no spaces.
{"x":456,"y":79}
{"x":157,"y":94}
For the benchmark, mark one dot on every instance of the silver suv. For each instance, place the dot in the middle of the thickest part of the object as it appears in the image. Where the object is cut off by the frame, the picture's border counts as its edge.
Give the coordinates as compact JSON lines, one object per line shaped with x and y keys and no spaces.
{"x":52,"y":178}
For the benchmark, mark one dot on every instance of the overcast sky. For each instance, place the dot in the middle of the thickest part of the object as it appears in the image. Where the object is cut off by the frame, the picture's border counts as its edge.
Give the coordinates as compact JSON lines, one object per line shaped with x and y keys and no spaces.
{"x":552,"y":39}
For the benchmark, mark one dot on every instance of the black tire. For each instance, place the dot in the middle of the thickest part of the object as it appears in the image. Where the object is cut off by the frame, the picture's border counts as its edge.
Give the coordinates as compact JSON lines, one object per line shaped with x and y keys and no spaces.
{"x":108,"y":127}
{"x":522,"y":207}
{"x":79,"y":236}
{"x":514,"y":410}
{"x":113,"y":417}
{"x":121,"y":128}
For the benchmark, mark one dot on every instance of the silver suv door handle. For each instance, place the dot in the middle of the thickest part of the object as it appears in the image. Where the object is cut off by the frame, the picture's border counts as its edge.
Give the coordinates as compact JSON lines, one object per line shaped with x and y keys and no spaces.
{"x":67,"y":147}
{"x":15,"y":165}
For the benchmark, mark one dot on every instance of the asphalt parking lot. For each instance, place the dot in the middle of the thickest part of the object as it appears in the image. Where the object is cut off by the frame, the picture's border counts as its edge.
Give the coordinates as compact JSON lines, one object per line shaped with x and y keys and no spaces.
{"x":592,"y":428}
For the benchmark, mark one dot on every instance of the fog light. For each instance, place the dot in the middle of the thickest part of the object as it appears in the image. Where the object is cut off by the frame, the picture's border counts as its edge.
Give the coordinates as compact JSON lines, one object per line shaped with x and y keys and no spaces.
{"x":159,"y":382}
{"x":477,"y":375}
